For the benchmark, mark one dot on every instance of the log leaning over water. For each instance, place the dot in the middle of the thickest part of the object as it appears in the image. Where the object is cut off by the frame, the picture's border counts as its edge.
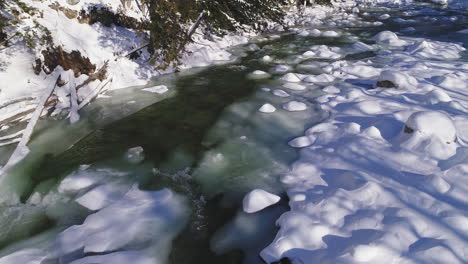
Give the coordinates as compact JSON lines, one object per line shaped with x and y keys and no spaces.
{"x":22,"y":150}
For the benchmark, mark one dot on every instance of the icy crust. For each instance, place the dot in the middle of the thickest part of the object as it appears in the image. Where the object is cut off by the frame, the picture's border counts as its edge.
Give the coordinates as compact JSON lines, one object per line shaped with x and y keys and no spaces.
{"x":127,"y":225}
{"x":383,"y":179}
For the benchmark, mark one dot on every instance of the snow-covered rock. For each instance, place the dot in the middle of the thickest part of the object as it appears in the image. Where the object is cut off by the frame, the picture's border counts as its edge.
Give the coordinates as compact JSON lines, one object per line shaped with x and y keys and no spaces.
{"x":291,"y":77}
{"x":258,"y":200}
{"x":267,"y":108}
{"x":295,"y":106}
{"x":135,"y":155}
{"x":430,"y":132}
{"x":399,"y":79}
{"x":389,"y":38}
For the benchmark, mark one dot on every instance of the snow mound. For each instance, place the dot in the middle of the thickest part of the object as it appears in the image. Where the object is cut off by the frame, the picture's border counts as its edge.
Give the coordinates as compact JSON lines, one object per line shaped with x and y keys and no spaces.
{"x":291,"y":77}
{"x":259,"y":75}
{"x":435,"y":50}
{"x":431,"y":123}
{"x":330,"y":34}
{"x":282,"y":68}
{"x":437,"y":96}
{"x":280,"y":93}
{"x":325,"y":52}
{"x":430,"y":132}
{"x":322,"y":78}
{"x":142,"y":214}
{"x":361,"y":46}
{"x":389,"y":38}
{"x":399,"y":79}
{"x":267,"y":108}
{"x":294,"y":86}
{"x":258,"y":200}
{"x":295,"y":106}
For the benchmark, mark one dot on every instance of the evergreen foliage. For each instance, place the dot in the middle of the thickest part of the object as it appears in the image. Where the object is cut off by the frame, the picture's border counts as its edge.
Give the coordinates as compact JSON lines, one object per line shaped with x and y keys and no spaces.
{"x":169,"y":20}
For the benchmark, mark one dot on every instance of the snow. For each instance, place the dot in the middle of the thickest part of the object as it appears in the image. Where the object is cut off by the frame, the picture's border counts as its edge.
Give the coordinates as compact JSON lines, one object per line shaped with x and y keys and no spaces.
{"x":280,"y":93}
{"x":291,"y":77}
{"x":389,"y":38}
{"x":142,"y":214}
{"x":294,"y":86}
{"x":160,"y":89}
{"x":267,"y":108}
{"x":362,"y":46}
{"x":330,"y":34}
{"x":282,"y":68}
{"x":294,"y":106}
{"x":381,"y":180}
{"x":259,"y":75}
{"x":258,"y":200}
{"x":400,"y":79}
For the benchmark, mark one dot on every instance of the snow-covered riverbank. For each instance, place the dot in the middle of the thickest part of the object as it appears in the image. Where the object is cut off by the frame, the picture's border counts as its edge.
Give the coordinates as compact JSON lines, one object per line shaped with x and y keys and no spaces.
{"x":381,"y":180}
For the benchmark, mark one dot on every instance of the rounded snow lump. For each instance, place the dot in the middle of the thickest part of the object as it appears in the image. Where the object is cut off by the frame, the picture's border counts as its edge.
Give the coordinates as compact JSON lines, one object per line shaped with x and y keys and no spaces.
{"x":295,"y":106}
{"x":432,"y":123}
{"x":258,"y":200}
{"x":396,"y":79}
{"x":291,"y":77}
{"x":267,"y":108}
{"x":389,"y":38}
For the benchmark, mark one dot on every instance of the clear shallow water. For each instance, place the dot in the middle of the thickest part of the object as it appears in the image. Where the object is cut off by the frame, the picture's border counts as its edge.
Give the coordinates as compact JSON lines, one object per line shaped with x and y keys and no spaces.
{"x":208,"y":126}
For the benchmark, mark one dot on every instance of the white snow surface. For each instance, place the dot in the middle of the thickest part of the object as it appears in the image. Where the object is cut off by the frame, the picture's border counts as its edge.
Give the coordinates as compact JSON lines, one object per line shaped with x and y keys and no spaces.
{"x":99,"y":44}
{"x":258,"y":200}
{"x":383,"y":179}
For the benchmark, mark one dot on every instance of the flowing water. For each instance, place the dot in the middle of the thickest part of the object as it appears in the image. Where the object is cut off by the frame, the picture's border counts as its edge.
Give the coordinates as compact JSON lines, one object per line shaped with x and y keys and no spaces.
{"x":204,"y":139}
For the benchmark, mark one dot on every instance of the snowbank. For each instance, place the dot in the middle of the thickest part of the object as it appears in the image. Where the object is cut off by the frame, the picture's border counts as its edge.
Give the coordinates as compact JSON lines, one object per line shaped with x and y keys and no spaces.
{"x":382,"y":180}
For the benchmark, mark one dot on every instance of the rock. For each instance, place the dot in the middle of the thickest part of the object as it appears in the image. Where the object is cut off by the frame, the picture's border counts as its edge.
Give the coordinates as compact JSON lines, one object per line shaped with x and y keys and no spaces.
{"x":258,"y":200}
{"x":386,"y":84}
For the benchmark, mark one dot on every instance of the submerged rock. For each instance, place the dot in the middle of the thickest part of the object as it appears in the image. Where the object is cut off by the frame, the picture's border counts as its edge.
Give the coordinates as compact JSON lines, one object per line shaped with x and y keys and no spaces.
{"x":135,"y":155}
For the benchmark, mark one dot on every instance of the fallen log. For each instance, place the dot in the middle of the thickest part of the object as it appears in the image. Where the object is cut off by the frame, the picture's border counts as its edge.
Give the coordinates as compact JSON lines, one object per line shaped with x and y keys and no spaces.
{"x":21,"y":149}
{"x":93,"y":95}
